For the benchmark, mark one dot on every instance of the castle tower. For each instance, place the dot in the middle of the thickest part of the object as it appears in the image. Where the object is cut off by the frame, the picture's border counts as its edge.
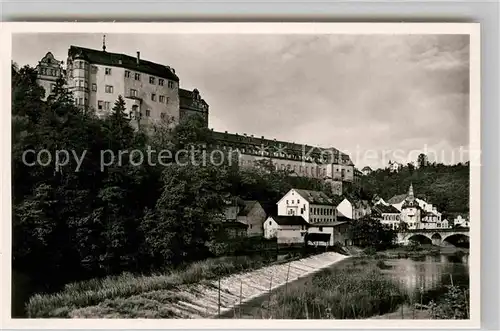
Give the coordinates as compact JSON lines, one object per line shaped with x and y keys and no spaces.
{"x":49,"y":70}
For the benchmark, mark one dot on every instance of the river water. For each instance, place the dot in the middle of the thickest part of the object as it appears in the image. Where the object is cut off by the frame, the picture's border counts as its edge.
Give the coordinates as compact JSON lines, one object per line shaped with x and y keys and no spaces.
{"x":426,"y":278}
{"x":422,"y":279}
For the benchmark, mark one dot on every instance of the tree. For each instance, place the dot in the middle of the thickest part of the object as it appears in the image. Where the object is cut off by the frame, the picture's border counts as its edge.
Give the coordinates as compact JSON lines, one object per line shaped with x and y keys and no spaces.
{"x":422,"y":160}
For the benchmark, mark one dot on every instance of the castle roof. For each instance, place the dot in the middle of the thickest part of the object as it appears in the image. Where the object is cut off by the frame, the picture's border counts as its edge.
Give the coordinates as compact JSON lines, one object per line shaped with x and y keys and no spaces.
{"x":122,"y":61}
{"x":335,"y":156}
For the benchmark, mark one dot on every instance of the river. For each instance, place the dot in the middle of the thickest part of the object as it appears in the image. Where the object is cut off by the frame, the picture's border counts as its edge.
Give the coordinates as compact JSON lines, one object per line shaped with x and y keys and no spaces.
{"x":426,"y":278}
{"x":422,"y":279}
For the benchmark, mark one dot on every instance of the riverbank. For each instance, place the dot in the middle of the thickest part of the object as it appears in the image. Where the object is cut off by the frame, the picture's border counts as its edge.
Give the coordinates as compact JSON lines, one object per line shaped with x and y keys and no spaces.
{"x":192,"y":294}
{"x":353,"y":288}
{"x":404,"y":252}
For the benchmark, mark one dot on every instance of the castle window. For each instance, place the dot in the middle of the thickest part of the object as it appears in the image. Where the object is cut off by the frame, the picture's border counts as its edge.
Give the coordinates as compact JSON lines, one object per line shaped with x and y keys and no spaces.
{"x":137,"y":76}
{"x":80,"y":101}
{"x":162,"y":98}
{"x":94,"y":69}
{"x":52,"y":87}
{"x":109,"y":89}
{"x":107,"y":105}
{"x":94,"y":87}
{"x":133,"y":93}
{"x":161,"y":82}
{"x":168,"y":100}
{"x":107,"y":71}
{"x":100,"y":104}
{"x":148,"y":112}
{"x":153,"y":97}
{"x":170,"y":84}
{"x":151,"y":80}
{"x":127,"y":74}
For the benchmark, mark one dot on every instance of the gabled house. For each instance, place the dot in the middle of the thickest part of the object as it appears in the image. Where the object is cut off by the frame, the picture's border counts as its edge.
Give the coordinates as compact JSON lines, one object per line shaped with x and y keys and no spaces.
{"x":253,"y":215}
{"x":327,"y":234}
{"x":286,"y":229}
{"x":354,"y":208}
{"x":313,"y":206}
{"x":388,"y":215}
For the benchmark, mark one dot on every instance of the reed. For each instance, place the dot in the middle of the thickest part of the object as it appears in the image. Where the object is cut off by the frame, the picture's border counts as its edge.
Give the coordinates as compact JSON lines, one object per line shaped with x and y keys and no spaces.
{"x":353,"y":291}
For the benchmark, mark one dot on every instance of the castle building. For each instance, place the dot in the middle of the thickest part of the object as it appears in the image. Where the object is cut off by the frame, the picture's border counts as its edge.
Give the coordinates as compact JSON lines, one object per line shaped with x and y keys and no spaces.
{"x":328,"y":164}
{"x":151,"y":93}
{"x":49,"y":70}
{"x":98,"y":77}
{"x":191,"y":103}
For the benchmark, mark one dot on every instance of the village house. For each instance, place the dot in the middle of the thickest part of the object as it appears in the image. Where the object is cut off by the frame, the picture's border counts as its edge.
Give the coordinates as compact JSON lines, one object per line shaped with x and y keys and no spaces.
{"x":253,"y":215}
{"x":354,"y":208}
{"x":313,"y":206}
{"x":328,"y":234}
{"x":387,"y":214}
{"x":461,"y":221}
{"x":286,"y":229}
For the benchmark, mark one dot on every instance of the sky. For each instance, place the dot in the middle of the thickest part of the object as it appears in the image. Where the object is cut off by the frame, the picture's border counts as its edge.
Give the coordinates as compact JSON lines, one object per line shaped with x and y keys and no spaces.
{"x":374,"y":97}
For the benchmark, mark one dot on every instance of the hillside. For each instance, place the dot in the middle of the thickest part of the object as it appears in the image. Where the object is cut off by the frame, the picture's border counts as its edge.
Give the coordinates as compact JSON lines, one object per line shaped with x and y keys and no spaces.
{"x":447,"y":187}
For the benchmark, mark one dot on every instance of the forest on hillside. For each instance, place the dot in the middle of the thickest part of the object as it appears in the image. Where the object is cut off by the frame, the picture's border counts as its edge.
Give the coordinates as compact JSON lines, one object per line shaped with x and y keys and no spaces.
{"x":76,"y":221}
{"x":445,"y":186}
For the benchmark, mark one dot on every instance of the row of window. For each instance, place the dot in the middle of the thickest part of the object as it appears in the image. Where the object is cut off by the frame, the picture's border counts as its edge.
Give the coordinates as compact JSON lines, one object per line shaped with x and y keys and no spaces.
{"x":128,"y":74}
{"x":160,"y":98}
{"x":321,"y":211}
{"x":50,"y":72}
{"x":391,"y":217}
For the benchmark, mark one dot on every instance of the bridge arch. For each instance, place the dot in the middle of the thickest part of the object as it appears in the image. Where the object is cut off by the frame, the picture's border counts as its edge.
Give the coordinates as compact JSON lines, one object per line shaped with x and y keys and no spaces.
{"x":457,"y":239}
{"x":420,"y":238}
{"x":436,"y":239}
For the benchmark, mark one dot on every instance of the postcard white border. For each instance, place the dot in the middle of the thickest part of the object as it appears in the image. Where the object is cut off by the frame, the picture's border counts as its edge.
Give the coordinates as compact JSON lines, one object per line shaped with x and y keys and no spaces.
{"x":7,"y":29}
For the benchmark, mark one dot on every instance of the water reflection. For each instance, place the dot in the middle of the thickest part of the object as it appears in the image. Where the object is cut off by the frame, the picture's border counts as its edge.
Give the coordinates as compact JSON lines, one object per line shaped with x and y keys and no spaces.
{"x":429,"y":275}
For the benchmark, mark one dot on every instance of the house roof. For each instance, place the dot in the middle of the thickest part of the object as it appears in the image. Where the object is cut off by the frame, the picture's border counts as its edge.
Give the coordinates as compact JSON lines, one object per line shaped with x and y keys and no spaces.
{"x":386,"y":209}
{"x":329,"y":224}
{"x":247,"y":207}
{"x":270,"y":208}
{"x":315,"y":197}
{"x":290,"y":220}
{"x":397,"y":199}
{"x":123,"y":61}
{"x":343,"y":219}
{"x":337,"y":199}
{"x":367,"y":168}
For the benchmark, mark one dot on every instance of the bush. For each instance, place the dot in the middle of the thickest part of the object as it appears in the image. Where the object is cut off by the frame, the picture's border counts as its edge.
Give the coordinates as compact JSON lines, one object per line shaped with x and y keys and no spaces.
{"x":351,"y":292}
{"x":453,"y":305}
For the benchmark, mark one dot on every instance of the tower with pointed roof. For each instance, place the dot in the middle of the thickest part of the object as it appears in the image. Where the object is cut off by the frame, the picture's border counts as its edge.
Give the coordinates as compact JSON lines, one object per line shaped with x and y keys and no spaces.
{"x":411,"y":213}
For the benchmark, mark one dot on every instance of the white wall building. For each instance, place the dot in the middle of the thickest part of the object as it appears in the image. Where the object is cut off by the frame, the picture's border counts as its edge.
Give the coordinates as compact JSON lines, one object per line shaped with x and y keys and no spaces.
{"x":313,"y":206}
{"x":97,"y":78}
{"x":286,"y":229}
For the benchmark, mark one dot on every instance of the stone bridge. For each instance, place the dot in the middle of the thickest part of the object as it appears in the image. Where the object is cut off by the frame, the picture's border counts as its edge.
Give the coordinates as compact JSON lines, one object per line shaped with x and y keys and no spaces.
{"x":438,"y":237}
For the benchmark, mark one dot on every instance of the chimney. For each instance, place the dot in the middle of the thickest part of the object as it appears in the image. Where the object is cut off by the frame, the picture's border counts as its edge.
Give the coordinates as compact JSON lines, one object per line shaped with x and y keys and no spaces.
{"x":138,"y":57}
